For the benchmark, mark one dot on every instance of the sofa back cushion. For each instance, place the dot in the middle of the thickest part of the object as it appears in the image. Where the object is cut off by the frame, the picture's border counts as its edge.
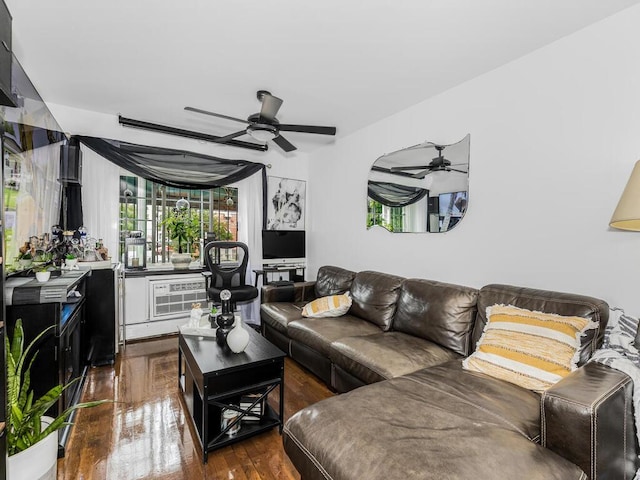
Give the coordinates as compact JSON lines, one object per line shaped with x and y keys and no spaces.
{"x":439,"y":312}
{"x":565,"y":304}
{"x":333,"y":281}
{"x":374,"y":296}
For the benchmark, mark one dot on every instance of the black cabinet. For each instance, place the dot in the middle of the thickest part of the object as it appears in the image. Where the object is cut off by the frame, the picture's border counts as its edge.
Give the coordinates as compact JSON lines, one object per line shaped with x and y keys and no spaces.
{"x":101,"y":317}
{"x":61,"y":351}
{"x":5,"y":56}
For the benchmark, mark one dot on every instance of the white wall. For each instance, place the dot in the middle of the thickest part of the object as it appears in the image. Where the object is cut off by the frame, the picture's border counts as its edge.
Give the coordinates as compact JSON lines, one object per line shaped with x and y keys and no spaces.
{"x":554,"y":136}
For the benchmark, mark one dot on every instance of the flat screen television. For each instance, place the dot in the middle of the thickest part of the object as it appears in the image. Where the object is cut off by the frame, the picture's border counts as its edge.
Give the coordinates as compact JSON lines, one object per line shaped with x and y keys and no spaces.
{"x":283,"y":246}
{"x":453,"y":204}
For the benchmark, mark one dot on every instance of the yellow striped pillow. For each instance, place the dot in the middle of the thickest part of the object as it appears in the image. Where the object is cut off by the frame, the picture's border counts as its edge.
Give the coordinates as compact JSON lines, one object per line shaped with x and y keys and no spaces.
{"x":332,"y":306}
{"x":531,"y":349}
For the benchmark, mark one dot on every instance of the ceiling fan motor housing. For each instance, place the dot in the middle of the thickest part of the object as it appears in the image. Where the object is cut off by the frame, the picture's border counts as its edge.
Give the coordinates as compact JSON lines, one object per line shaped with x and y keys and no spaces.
{"x":262,"y":131}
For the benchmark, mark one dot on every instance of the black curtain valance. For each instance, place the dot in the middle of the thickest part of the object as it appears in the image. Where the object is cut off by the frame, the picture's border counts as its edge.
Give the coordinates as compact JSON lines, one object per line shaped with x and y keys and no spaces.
{"x":394,"y":195}
{"x":173,"y":168}
{"x":176,"y":168}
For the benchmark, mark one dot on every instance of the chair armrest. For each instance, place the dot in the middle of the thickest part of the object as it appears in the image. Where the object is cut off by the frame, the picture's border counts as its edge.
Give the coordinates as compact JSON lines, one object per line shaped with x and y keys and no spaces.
{"x":588,"y":419}
{"x":298,"y":292}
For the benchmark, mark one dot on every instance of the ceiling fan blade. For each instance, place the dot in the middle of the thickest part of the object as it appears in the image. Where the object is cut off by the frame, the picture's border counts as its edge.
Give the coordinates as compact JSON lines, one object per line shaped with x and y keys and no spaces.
{"x":231,"y":136}
{"x":420,"y":175}
{"x":270,"y":106}
{"x":409,"y":167}
{"x":455,"y":170}
{"x":205,"y":112}
{"x":308,"y":129}
{"x":284,"y":144}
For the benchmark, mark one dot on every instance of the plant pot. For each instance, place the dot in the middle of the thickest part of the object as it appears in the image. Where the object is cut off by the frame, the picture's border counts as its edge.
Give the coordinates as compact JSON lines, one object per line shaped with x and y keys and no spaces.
{"x":71,"y":262}
{"x":181,"y":261}
{"x":38,"y":462}
{"x":25,"y":263}
{"x":43,"y":276}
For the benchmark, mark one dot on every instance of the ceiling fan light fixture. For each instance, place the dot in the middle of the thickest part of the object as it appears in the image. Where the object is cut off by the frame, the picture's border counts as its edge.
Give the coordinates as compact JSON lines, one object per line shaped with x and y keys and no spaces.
{"x":262,"y":132}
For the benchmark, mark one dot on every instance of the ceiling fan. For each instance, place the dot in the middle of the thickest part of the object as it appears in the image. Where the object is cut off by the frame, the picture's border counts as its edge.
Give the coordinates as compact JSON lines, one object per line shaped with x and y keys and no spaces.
{"x":437,"y":164}
{"x":264,"y":125}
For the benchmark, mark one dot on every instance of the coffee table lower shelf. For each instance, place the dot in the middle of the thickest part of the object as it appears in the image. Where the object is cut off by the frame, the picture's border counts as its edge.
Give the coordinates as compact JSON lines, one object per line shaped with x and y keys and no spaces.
{"x":248,"y":429}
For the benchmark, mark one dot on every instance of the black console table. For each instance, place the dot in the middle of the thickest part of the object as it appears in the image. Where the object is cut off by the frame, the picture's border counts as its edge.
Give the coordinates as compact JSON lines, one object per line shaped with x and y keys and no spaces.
{"x":62,"y":351}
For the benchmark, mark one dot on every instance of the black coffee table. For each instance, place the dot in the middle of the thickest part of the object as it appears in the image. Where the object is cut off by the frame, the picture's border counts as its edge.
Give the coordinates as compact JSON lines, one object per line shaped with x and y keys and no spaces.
{"x":212,"y":379}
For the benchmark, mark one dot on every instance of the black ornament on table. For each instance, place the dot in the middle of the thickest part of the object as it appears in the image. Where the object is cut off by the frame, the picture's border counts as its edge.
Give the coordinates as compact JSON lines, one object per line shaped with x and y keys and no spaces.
{"x":225,"y":319}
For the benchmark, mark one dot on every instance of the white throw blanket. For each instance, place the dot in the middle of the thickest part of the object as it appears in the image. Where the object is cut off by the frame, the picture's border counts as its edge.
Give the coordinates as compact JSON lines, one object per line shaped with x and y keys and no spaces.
{"x":620,"y":352}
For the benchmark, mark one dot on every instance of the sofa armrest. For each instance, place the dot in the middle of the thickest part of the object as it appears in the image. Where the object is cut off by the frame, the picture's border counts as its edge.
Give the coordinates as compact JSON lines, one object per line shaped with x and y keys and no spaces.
{"x":587,"y":418}
{"x":298,"y":292}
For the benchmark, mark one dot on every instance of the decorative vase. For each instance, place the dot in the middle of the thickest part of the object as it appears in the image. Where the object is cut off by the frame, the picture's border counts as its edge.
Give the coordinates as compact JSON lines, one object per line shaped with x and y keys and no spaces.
{"x":39,"y":461}
{"x":225,"y":324}
{"x":225,"y":319}
{"x":181,"y":261}
{"x":238,"y":338}
{"x":43,"y":276}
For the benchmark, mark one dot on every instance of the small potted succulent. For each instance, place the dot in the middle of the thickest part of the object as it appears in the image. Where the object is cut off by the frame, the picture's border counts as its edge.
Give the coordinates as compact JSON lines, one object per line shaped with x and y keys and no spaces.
{"x":42,"y":273}
{"x":70,"y":260}
{"x":25,"y":260}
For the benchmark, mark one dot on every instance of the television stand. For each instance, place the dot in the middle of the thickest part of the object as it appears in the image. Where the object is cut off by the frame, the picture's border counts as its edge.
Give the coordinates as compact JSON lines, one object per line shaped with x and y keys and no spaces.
{"x":295,"y":272}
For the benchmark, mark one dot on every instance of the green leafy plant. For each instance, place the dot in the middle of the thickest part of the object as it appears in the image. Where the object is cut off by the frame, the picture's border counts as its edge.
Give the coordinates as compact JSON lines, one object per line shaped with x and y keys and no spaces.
{"x":183,"y":225}
{"x":221,"y":230}
{"x":70,"y":256}
{"x":24,"y":426}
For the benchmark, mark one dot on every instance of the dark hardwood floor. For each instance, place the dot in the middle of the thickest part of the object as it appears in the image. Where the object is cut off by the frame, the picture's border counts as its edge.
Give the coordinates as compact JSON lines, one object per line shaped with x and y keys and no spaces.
{"x":145,"y":434}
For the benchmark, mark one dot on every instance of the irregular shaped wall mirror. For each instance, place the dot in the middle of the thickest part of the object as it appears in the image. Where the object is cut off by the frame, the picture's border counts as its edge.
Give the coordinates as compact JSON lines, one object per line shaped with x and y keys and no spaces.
{"x":424,"y":188}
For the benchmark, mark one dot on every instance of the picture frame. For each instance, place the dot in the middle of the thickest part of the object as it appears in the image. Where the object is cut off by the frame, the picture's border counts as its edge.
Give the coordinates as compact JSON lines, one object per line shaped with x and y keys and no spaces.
{"x":286,"y":199}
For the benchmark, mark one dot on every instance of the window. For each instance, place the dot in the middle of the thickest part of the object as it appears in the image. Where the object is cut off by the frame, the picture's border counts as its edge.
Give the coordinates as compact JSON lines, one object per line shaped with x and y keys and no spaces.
{"x":144,"y":204}
{"x":391,"y":218}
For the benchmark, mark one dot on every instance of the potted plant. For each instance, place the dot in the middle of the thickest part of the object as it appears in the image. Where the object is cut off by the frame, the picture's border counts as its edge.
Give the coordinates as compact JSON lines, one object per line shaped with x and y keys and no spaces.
{"x":25,"y":260}
{"x":70,"y":260}
{"x":42,"y":273}
{"x":32,"y":439}
{"x":183,"y":226}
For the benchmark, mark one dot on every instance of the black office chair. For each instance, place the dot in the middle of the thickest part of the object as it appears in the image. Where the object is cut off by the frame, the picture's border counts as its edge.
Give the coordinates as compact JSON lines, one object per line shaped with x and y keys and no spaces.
{"x":227,"y":264}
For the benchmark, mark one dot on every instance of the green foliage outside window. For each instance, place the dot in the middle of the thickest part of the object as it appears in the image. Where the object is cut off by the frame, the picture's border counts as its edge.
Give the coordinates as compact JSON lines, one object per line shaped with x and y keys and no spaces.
{"x":376,"y":216}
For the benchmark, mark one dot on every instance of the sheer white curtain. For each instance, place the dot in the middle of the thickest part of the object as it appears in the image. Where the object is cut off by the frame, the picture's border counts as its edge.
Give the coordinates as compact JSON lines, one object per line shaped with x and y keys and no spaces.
{"x":100,"y":199}
{"x":250,"y":232}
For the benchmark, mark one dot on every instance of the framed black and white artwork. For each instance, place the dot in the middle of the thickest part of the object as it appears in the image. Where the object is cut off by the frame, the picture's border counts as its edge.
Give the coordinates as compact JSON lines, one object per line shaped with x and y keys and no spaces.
{"x":285,"y":203}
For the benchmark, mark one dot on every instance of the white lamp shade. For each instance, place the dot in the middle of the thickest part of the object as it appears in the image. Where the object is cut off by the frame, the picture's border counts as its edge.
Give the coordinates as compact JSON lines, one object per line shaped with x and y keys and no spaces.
{"x":627,"y":213}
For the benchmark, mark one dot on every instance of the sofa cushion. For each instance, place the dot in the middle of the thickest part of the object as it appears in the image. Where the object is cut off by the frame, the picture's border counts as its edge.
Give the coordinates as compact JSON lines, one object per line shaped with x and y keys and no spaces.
{"x":333,"y":281}
{"x":372,"y":358}
{"x":549,"y":302}
{"x":331,"y":306}
{"x":531,"y":349}
{"x":280,"y":314}
{"x":441,"y":312}
{"x":318,"y":333}
{"x":440,"y":422}
{"x":374,"y":296}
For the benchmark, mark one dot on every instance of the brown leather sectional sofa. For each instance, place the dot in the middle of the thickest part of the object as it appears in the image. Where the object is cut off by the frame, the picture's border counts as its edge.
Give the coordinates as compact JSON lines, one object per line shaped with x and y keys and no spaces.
{"x":419,"y":415}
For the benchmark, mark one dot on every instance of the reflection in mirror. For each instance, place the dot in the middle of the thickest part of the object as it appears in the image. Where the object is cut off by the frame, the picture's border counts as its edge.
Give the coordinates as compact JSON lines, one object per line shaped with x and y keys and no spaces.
{"x":423,"y":188}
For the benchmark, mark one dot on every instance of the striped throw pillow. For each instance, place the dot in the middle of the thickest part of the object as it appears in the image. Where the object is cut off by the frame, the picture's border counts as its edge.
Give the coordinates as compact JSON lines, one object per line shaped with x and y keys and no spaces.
{"x":531,"y":349}
{"x":332,"y":306}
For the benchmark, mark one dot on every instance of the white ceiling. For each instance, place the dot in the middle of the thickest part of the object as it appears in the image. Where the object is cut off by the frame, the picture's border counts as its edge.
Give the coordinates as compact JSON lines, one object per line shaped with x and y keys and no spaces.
{"x":334,"y":62}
